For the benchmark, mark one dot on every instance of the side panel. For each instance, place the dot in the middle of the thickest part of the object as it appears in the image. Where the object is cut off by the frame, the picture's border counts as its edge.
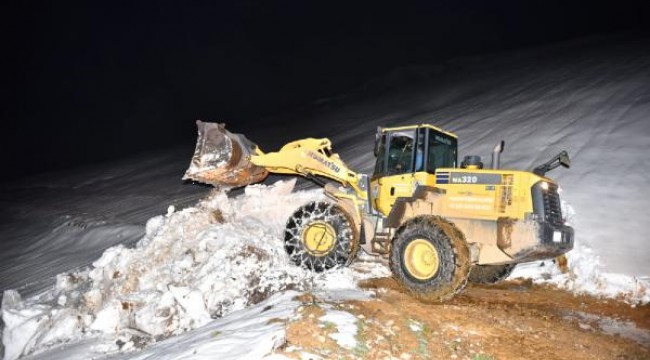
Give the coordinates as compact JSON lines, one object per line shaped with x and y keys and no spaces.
{"x":473,"y":194}
{"x":478,"y":202}
{"x":486,"y":194}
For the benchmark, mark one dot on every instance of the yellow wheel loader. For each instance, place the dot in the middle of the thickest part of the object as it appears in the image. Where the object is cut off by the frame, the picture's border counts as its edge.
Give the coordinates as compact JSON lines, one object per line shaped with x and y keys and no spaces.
{"x":439,"y":222}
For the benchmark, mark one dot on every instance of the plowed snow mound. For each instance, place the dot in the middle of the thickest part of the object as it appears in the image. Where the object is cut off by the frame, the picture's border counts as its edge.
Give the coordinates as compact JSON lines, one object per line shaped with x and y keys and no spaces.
{"x":584,"y":273}
{"x":191,"y":266}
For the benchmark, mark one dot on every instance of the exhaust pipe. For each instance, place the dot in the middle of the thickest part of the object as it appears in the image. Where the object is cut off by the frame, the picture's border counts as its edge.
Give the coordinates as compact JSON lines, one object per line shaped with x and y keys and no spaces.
{"x":496,"y":154}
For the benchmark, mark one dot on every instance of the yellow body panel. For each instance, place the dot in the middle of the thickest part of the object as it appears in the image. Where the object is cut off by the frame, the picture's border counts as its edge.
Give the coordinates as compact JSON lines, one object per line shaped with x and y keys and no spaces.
{"x":476,"y":200}
{"x":506,"y":193}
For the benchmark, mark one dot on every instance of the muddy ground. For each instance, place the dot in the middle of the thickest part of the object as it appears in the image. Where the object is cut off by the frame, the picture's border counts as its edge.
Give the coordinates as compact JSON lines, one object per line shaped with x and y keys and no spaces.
{"x":512,"y":320}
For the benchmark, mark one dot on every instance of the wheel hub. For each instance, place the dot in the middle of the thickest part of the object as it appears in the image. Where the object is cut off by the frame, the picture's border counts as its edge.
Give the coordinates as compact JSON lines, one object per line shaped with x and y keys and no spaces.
{"x":319,"y":238}
{"x":421,"y":259}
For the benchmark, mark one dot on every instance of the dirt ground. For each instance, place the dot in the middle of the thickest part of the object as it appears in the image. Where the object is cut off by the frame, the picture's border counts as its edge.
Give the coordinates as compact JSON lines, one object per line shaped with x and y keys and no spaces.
{"x":512,"y":320}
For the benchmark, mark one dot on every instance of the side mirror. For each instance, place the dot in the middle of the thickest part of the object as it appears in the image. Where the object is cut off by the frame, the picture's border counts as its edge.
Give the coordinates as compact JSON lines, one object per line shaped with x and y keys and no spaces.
{"x":564,"y":159}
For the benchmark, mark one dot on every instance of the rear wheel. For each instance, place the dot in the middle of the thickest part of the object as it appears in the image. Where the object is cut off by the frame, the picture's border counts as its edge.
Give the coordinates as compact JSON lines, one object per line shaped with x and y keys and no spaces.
{"x":490,"y":274}
{"x":320,"y":236}
{"x":430,"y":259}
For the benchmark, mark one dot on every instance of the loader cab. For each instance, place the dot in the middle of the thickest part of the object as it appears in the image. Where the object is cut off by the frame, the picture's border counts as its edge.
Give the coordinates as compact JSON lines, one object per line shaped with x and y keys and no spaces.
{"x":407,"y":157}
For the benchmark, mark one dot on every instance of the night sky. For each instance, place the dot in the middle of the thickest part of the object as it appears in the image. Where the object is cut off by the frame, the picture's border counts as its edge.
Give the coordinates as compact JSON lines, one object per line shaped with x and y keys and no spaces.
{"x":86,"y":82}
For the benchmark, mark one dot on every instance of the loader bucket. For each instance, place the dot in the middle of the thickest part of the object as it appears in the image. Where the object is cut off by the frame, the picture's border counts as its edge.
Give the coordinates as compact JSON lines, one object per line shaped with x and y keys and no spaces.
{"x":222,"y":158}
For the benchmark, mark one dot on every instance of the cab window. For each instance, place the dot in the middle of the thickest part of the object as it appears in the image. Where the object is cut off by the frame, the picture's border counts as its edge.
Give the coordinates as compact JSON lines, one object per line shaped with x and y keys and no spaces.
{"x":400,"y":152}
{"x":442,"y":151}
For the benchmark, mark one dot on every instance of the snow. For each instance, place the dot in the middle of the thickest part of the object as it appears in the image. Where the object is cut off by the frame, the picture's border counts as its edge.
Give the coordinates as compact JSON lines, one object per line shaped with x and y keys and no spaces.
{"x":57,"y":222}
{"x":336,"y":286}
{"x":415,"y":326}
{"x":192,"y":266}
{"x":608,"y":325}
{"x":252,"y":333}
{"x":173,"y":286}
{"x":249,"y":333}
{"x":585,"y":273}
{"x":346,"y":327}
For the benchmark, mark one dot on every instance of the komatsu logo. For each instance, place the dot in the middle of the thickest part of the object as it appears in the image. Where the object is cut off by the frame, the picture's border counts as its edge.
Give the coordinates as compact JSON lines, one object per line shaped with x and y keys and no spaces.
{"x":320,"y":159}
{"x":442,"y":140}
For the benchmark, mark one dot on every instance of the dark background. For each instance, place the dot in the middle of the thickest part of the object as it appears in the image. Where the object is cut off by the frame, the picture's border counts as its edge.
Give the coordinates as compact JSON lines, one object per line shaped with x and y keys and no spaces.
{"x":91,"y":81}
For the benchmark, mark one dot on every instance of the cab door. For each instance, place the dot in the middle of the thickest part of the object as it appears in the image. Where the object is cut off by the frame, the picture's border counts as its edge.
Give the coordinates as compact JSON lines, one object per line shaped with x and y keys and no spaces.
{"x":394,"y":171}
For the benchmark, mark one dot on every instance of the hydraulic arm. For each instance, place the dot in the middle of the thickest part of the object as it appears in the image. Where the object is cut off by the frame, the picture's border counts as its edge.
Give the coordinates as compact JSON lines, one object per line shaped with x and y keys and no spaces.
{"x":222,"y":158}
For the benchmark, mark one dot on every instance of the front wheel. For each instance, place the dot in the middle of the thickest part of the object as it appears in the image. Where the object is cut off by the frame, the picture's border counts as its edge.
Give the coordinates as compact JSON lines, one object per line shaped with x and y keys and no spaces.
{"x":430,"y":258}
{"x":320,"y":236}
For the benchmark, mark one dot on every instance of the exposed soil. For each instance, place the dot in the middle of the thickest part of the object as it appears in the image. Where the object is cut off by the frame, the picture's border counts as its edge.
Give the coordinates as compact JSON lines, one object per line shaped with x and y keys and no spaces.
{"x":512,"y":320}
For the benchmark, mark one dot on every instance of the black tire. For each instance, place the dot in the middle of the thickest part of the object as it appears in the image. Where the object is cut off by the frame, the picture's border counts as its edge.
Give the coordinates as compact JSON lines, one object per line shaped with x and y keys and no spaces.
{"x":452,"y":254}
{"x":490,"y":274}
{"x":344,"y":247}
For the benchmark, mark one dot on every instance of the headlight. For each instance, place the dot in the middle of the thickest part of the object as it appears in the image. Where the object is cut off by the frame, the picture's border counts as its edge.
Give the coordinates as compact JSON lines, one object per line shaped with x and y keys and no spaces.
{"x":544,"y":185}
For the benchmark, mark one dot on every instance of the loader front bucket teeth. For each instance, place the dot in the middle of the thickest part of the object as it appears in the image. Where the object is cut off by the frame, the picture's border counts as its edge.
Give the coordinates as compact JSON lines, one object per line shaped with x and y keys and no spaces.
{"x":222,"y":158}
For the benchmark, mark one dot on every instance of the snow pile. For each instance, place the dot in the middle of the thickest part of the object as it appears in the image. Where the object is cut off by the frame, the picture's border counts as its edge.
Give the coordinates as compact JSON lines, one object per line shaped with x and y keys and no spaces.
{"x":251,"y":333}
{"x":585,"y":274}
{"x":191,"y":266}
